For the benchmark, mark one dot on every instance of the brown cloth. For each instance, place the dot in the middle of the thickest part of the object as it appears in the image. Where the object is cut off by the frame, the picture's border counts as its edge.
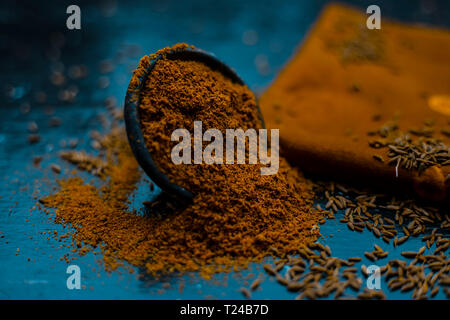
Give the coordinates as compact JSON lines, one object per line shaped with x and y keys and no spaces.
{"x":347,"y":80}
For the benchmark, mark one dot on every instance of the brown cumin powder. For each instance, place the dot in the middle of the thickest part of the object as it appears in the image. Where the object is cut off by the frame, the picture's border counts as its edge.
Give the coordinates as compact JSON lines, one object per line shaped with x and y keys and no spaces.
{"x":345,"y":81}
{"x":237,"y":216}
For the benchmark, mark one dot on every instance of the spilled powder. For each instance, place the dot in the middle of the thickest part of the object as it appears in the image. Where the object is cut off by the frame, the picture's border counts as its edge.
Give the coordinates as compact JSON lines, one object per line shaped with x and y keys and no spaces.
{"x":237,"y":215}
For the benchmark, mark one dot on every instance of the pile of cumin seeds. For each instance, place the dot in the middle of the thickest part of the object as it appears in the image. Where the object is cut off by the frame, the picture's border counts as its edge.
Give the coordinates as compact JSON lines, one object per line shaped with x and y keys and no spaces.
{"x":386,"y":216}
{"x":315,"y":273}
{"x":360,"y":44}
{"x":408,"y":152}
{"x":234,"y":219}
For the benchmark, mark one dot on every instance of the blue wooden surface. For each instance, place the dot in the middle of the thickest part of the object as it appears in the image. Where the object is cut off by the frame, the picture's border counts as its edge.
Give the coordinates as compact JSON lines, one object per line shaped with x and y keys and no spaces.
{"x":254,"y":37}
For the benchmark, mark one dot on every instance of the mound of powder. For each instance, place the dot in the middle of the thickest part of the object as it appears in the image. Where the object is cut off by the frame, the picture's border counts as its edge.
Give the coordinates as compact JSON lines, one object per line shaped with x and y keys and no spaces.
{"x":237,"y":216}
